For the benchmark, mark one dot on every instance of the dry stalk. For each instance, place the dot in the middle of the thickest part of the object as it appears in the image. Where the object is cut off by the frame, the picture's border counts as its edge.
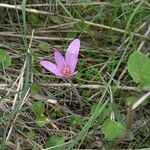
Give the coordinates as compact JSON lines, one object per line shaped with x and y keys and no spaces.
{"x":83,"y":86}
{"x":93,"y":86}
{"x":35,"y":37}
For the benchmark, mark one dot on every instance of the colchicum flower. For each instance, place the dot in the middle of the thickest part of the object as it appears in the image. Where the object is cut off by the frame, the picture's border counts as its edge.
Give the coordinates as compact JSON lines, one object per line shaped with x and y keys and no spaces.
{"x":65,"y":66}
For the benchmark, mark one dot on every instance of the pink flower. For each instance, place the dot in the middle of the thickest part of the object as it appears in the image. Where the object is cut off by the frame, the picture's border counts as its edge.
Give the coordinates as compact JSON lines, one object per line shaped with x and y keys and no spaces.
{"x":65,"y":66}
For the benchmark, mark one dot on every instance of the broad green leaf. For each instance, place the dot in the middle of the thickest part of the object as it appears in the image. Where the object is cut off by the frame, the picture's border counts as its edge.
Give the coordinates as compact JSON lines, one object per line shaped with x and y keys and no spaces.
{"x":38,"y":108}
{"x":41,"y":120}
{"x":5,"y":59}
{"x":144,"y":84}
{"x":44,"y":46}
{"x":55,"y":141}
{"x":139,"y":68}
{"x":113,"y":129}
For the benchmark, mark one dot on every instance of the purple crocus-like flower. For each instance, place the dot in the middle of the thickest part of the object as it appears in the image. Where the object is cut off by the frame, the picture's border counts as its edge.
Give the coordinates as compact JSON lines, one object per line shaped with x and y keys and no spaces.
{"x":65,"y":66}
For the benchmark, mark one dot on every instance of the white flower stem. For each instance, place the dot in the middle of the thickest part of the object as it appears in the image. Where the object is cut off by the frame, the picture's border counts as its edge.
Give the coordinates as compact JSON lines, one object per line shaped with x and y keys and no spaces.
{"x":75,"y":90}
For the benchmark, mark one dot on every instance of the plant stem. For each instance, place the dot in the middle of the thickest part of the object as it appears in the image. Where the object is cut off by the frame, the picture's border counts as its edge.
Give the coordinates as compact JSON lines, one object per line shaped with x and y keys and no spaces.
{"x":75,"y":91}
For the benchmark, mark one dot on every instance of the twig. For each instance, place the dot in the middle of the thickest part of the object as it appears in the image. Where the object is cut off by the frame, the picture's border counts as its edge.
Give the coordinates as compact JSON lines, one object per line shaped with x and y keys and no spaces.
{"x":93,"y":86}
{"x":83,"y":86}
{"x":106,"y":27}
{"x":35,"y":37}
{"x":26,"y":9}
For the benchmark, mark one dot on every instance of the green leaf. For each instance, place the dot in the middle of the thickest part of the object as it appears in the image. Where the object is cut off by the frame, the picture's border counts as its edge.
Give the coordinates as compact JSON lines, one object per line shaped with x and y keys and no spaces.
{"x":38,"y":108}
{"x":35,"y":89}
{"x":113,"y":129}
{"x":103,"y":113}
{"x":81,"y":26}
{"x":139,"y":68}
{"x":76,"y":121}
{"x":57,"y":112}
{"x":56,"y":19}
{"x":117,"y":113}
{"x":55,"y":141}
{"x":5,"y":59}
{"x":31,"y":135}
{"x":41,"y":120}
{"x":118,"y":3}
{"x":34,"y":19}
{"x":71,"y":34}
{"x":44,"y":46}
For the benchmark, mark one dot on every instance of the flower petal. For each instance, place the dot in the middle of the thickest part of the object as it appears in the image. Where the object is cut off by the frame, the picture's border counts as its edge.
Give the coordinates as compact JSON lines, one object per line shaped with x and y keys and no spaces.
{"x":60,"y":61}
{"x":73,"y":49}
{"x":51,"y":67}
{"x":71,"y":63}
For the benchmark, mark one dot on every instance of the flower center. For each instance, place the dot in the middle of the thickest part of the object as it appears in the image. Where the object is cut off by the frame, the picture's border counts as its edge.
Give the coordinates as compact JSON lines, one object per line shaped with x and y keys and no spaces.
{"x":66,"y":71}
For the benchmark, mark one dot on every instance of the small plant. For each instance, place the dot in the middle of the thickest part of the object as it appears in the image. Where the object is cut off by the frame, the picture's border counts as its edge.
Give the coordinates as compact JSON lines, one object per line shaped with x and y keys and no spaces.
{"x":76,"y":122}
{"x":35,"y":89}
{"x":44,"y":46}
{"x":5,"y":59}
{"x":38,"y":108}
{"x":65,"y":67}
{"x":31,"y":135}
{"x":57,"y":112}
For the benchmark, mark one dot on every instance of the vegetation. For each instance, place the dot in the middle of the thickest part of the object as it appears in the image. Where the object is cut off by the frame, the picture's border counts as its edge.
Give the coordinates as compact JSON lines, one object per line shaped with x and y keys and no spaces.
{"x":105,"y":105}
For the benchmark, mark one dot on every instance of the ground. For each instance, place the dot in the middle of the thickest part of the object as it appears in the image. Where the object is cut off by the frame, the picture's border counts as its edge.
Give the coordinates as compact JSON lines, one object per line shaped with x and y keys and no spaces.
{"x":95,"y":109}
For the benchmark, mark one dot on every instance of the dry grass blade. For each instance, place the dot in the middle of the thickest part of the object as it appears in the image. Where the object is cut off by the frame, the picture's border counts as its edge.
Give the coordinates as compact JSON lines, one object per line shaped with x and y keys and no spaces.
{"x":35,"y":37}
{"x":92,"y":86}
{"x":83,"y":86}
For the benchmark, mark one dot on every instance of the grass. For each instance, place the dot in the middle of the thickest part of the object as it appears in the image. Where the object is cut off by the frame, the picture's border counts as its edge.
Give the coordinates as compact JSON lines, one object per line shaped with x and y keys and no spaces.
{"x":109,"y":32}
